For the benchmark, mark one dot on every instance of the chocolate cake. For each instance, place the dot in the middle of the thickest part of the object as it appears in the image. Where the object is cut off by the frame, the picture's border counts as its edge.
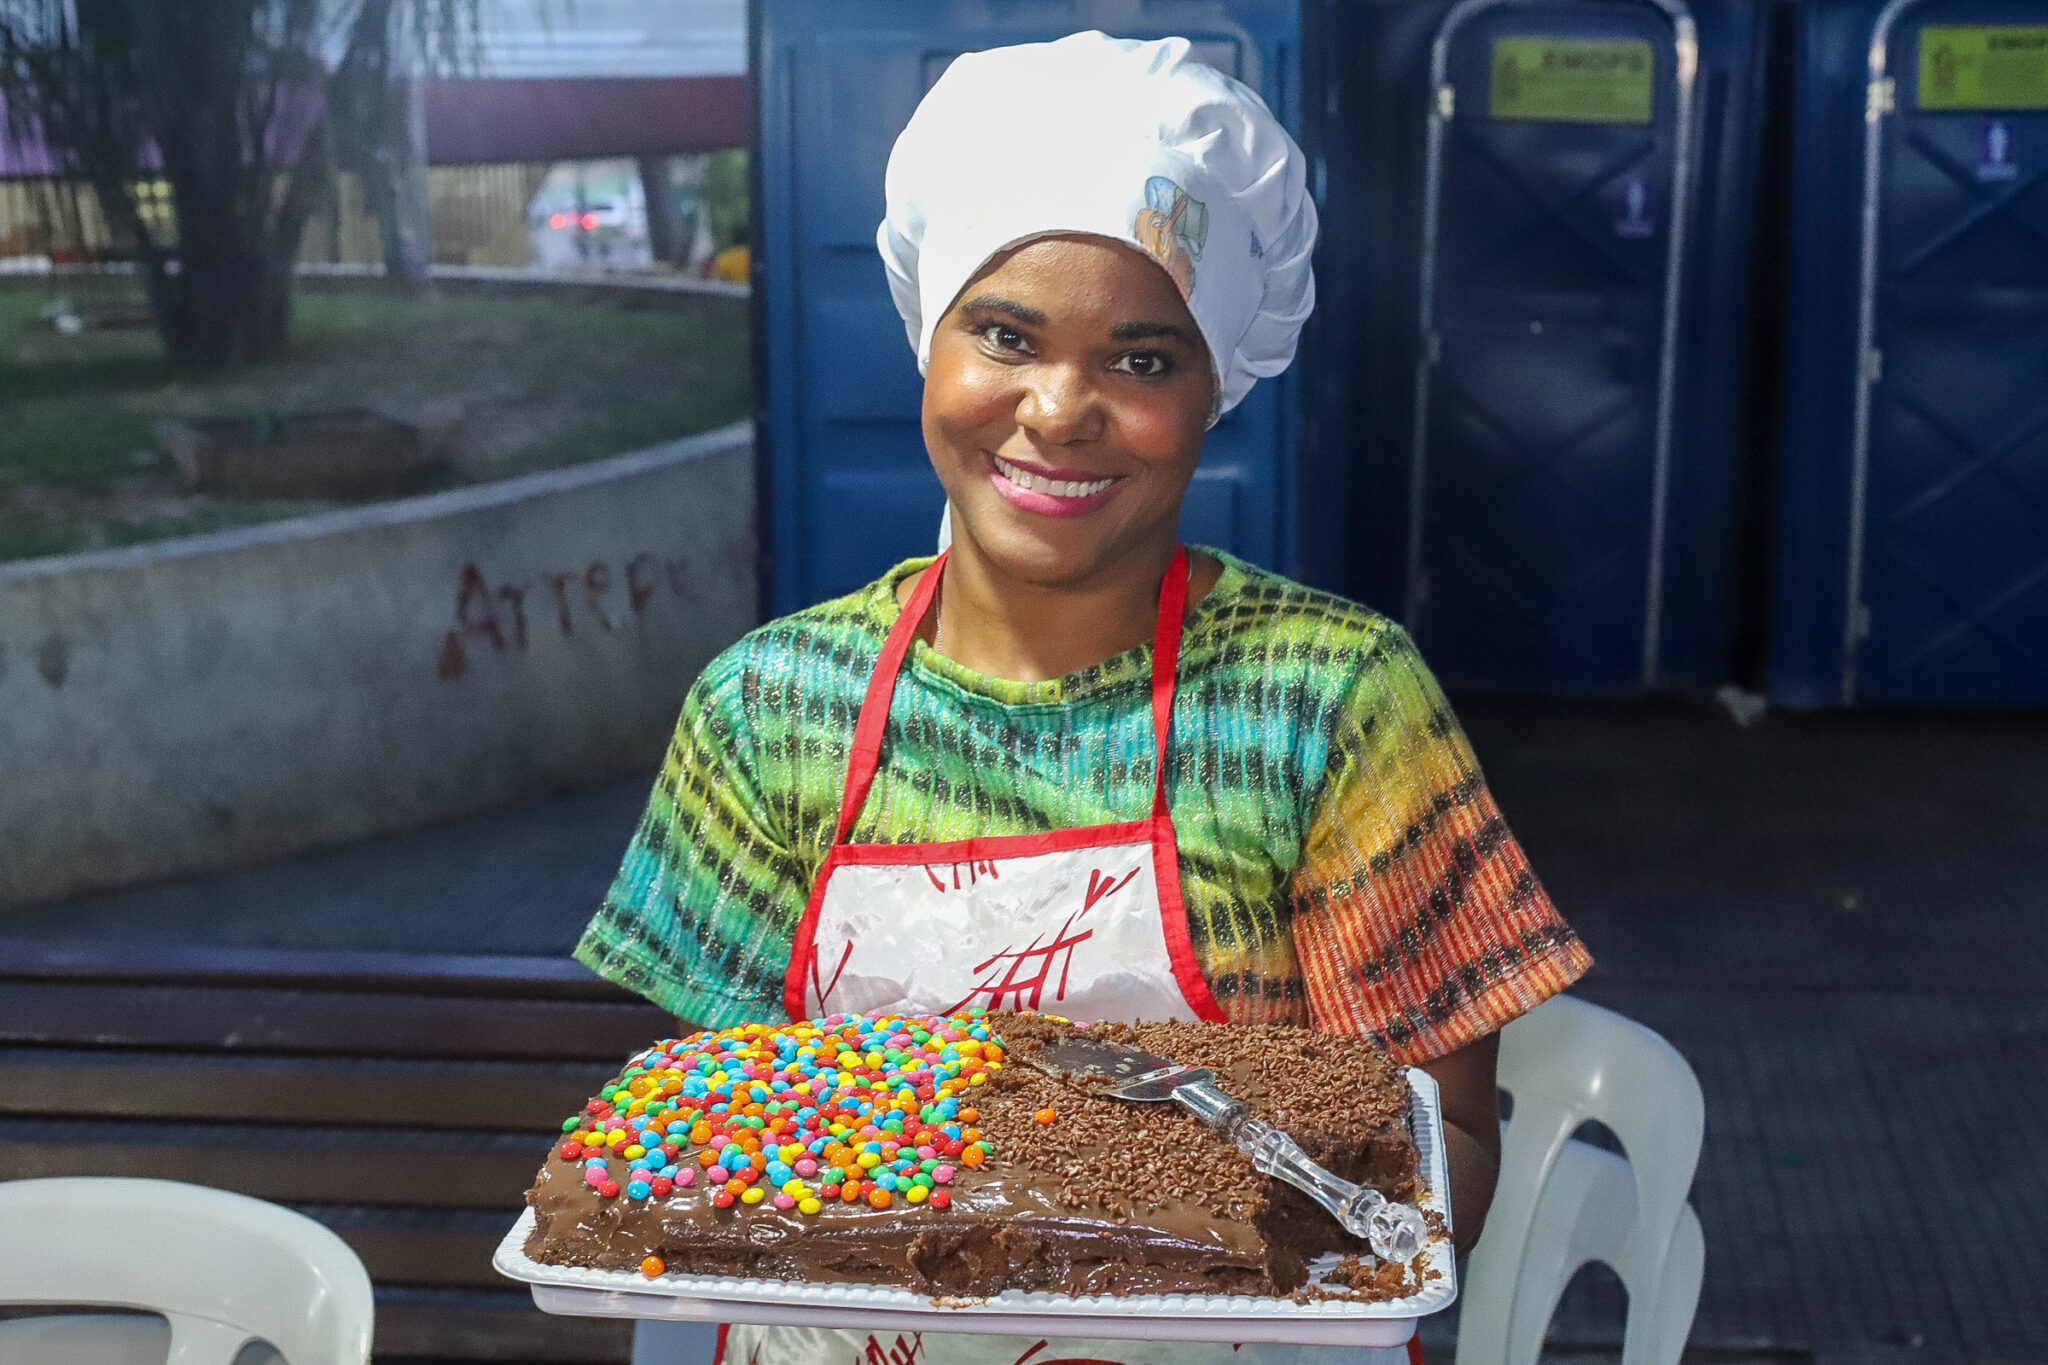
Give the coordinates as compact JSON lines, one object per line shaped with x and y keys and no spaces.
{"x":929,"y":1153}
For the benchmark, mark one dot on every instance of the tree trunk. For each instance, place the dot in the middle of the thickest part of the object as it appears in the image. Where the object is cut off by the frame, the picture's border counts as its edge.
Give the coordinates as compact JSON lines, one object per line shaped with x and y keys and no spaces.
{"x":400,"y":197}
{"x":238,"y":100}
{"x":223,"y":296}
{"x":664,"y":224}
{"x":225,"y":306}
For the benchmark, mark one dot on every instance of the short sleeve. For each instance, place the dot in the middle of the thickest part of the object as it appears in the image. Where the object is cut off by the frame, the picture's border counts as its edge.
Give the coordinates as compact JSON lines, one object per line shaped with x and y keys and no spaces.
{"x":704,"y":909}
{"x":1417,"y":919}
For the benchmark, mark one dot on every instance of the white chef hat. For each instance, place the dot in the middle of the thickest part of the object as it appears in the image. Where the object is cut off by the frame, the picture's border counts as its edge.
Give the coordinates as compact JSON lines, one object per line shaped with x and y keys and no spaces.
{"x":1112,"y":137}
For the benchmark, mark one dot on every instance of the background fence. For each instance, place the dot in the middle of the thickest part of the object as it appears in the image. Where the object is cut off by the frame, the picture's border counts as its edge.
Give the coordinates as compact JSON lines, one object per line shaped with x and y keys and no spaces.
{"x":479,"y":215}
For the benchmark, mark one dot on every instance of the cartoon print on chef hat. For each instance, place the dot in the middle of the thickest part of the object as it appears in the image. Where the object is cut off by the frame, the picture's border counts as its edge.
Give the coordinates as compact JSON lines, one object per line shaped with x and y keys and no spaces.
{"x":1172,"y":228}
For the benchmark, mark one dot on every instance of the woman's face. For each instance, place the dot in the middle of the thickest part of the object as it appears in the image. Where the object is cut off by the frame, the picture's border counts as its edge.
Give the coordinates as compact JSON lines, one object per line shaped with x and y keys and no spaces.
{"x":1064,"y":408}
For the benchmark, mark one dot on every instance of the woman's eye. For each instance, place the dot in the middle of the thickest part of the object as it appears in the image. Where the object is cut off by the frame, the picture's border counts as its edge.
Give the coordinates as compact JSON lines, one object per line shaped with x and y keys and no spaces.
{"x":1145,"y":364}
{"x":1002,"y":336}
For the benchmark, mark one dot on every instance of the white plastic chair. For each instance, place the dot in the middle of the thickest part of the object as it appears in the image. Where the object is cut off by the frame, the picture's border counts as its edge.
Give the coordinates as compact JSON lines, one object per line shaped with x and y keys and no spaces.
{"x":222,"y":1268}
{"x":1561,"y":1202}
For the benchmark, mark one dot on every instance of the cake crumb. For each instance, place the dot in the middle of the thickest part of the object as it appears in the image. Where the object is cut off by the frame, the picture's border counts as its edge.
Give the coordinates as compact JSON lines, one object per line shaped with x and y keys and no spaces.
{"x":1361,"y":1279}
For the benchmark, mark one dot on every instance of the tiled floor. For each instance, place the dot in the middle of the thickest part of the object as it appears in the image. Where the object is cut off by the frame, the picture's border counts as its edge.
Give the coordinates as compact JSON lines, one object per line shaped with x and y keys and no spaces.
{"x":1842,"y":921}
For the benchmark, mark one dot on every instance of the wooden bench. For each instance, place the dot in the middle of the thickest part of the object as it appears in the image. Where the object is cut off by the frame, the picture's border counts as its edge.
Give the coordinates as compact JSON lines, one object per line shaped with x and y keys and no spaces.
{"x":405,"y":1102}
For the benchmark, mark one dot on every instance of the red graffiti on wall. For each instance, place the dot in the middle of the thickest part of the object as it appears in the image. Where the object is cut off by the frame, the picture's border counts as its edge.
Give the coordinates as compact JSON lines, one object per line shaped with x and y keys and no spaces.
{"x":495,"y":615}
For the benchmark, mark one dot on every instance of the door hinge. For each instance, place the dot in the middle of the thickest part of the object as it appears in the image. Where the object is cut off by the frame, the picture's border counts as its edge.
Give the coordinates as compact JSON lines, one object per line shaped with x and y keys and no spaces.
{"x":1446,"y":101}
{"x":1873,"y":365}
{"x":1881,"y":97}
{"x":1859,"y":623}
{"x":1433,"y":348}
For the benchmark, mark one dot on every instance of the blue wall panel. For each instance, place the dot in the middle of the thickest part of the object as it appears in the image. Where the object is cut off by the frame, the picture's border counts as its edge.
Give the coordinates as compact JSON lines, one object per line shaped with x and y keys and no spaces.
{"x":1914,"y":565}
{"x":1539,"y":460}
{"x":1538,"y":469}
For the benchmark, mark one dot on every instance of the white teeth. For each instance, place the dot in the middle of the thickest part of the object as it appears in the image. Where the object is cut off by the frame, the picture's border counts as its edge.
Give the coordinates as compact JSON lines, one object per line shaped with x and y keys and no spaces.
{"x":1058,"y":488}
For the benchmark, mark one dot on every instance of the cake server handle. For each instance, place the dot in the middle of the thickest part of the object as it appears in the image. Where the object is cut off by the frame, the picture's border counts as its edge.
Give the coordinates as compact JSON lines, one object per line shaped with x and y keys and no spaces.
{"x":1395,"y":1232}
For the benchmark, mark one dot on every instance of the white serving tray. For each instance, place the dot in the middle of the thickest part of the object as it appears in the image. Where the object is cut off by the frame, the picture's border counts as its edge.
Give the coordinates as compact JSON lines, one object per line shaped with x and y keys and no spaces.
{"x":1165,"y":1317}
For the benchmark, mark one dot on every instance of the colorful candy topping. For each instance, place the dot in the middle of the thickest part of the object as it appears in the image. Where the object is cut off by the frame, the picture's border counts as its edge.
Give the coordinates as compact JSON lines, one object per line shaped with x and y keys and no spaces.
{"x":848,"y":1107}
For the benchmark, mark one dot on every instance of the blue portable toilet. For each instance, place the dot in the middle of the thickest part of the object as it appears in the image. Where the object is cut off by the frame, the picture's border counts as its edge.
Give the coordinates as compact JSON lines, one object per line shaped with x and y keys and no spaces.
{"x":1570,"y":186}
{"x":1914,"y":539}
{"x":847,"y":485}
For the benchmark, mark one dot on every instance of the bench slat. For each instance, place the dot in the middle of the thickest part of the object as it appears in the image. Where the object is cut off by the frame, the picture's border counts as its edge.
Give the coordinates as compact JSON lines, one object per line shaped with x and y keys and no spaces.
{"x":521,"y":1096}
{"x":475,"y":1324}
{"x":443,"y":1247}
{"x":362,"y":1024}
{"x":289,"y":1165}
{"x":29,"y":959}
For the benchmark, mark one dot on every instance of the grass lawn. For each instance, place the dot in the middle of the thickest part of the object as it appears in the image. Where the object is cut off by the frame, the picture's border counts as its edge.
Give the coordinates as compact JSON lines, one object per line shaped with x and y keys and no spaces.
{"x":537,"y":382}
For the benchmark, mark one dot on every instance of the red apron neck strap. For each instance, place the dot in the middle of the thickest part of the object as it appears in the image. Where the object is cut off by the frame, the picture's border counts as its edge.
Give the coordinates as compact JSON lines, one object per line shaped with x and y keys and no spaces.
{"x":1173,"y":605}
{"x":874,"y":708}
{"x":866,"y":756}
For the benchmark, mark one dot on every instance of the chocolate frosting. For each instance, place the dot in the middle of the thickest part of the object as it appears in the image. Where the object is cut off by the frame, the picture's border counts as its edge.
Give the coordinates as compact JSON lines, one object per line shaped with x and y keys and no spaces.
{"x":1084,"y":1194}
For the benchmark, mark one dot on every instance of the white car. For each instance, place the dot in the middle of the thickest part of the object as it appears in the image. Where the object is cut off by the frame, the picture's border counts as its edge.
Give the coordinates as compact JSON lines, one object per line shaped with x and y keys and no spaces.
{"x":589,"y":215}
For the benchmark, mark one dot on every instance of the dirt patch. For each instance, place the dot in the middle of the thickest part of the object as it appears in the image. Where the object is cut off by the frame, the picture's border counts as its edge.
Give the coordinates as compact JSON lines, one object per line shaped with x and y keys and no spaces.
{"x":528,"y":383}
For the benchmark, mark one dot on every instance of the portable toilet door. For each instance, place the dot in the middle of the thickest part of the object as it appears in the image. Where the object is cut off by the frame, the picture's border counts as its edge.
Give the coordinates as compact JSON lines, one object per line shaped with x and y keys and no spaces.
{"x":848,"y":487}
{"x":1947,"y":573}
{"x":1559,"y":163}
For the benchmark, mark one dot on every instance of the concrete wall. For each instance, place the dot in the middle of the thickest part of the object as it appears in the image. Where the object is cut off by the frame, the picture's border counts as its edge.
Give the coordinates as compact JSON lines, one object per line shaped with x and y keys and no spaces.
{"x":227,"y":698}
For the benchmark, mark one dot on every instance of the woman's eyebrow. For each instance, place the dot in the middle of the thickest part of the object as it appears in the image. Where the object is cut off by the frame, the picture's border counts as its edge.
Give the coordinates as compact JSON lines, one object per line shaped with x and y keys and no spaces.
{"x":1146,"y":331}
{"x":1029,"y":316}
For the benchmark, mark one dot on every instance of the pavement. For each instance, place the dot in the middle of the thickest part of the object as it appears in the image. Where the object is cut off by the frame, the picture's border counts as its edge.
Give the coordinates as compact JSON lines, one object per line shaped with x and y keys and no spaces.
{"x":519,"y":882}
{"x":1840,"y":920}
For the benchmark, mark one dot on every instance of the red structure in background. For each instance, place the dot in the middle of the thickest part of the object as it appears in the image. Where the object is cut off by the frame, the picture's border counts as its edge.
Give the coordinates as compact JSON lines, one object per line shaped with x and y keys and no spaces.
{"x":485,"y":122}
{"x":495,"y":121}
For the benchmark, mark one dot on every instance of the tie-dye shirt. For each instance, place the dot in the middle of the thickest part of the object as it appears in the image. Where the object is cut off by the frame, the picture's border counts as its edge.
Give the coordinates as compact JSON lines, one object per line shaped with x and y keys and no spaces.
{"x":1341,"y":860}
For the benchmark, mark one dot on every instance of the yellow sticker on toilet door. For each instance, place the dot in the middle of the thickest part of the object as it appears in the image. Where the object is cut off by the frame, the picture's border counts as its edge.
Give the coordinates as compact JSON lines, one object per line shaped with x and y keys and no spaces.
{"x":1573,"y":80}
{"x":1984,"y":66}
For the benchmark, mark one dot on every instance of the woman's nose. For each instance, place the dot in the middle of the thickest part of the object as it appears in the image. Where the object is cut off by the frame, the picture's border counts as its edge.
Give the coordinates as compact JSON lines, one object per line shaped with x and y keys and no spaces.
{"x":1059,"y":406}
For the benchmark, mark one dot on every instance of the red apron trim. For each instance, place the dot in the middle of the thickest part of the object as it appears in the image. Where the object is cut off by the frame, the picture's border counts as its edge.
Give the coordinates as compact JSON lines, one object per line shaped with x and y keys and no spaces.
{"x":866,"y":755}
{"x":1173,"y":919}
{"x":993,"y":845}
{"x":803,"y":952}
{"x":1166,"y":632}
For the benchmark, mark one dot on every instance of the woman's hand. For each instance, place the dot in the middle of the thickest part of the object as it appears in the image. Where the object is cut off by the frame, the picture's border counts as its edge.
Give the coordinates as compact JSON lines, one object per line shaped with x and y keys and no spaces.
{"x":1471,"y":1108}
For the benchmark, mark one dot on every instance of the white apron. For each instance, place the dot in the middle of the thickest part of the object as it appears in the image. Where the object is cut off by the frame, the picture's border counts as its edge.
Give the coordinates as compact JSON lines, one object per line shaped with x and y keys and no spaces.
{"x":1086,"y":923}
{"x":1083,"y":922}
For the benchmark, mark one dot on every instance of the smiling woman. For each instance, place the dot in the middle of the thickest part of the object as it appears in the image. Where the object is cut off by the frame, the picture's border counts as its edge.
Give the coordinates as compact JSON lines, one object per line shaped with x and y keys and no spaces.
{"x":1210,"y":792}
{"x":1064,"y":407}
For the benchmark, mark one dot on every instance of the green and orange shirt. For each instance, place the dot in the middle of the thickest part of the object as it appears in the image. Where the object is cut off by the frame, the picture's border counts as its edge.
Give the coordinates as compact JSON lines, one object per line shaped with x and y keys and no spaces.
{"x":1342,"y":862}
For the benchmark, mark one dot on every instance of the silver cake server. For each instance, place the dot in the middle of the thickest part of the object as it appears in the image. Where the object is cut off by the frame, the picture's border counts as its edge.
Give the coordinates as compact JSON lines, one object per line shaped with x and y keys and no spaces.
{"x":1395,"y":1232}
